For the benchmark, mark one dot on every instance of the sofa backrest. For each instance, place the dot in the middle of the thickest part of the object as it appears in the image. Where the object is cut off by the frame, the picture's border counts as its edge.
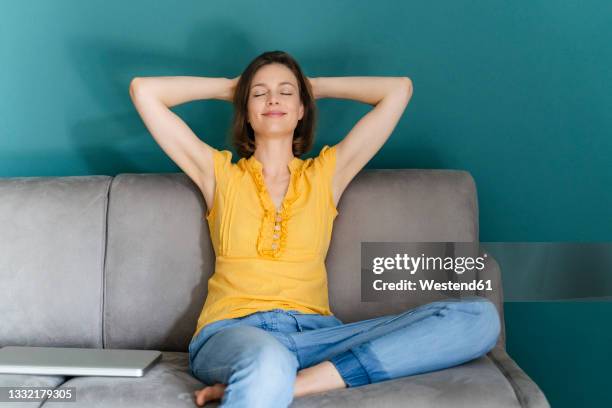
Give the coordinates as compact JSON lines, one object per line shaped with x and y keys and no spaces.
{"x":123,"y":262}
{"x":52,"y":243}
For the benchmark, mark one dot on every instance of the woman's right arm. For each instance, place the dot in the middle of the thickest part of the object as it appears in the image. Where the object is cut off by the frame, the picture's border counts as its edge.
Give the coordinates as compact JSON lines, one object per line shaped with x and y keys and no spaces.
{"x":154,"y":96}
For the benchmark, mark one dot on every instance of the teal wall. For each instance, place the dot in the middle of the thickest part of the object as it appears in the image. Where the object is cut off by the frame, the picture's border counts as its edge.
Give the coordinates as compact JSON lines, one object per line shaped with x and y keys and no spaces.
{"x":516,"y":93}
{"x":565,"y":348}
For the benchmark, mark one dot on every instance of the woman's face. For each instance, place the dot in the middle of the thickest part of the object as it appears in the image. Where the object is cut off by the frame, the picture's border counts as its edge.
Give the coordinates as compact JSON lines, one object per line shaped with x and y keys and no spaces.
{"x":274,"y":88}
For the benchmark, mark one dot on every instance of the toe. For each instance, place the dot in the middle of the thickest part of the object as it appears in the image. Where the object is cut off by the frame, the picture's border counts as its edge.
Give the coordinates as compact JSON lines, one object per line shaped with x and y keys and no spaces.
{"x":199,"y":394}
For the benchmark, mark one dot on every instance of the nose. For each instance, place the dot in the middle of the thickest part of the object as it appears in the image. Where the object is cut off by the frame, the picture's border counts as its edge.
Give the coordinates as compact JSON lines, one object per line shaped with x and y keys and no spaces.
{"x":271,"y":98}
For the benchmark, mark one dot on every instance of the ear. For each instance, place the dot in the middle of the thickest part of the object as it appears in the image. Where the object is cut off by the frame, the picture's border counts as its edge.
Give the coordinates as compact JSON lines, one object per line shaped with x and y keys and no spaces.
{"x":301,"y":112}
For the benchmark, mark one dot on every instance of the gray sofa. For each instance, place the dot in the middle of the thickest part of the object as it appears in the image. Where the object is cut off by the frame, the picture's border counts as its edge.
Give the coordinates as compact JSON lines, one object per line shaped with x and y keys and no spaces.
{"x":123,"y":262}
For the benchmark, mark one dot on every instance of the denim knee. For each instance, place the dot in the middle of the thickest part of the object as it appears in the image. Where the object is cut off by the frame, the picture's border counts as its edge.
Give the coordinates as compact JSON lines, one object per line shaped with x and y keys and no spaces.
{"x":487,"y":327}
{"x":492,"y":321}
{"x":263,"y":378}
{"x":271,"y":360}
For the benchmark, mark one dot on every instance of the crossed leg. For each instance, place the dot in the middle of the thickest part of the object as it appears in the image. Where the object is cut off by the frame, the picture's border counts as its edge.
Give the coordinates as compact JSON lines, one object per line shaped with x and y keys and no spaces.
{"x":430,"y":337}
{"x":312,"y":380}
{"x":259,"y":371}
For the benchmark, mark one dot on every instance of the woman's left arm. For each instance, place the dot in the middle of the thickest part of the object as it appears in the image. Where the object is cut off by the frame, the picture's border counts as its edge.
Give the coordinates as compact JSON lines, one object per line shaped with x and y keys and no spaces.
{"x":388,"y":95}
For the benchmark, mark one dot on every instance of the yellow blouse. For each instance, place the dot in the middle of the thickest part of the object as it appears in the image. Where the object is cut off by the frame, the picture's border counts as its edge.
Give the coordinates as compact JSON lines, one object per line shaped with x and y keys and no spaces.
{"x":269,"y":258}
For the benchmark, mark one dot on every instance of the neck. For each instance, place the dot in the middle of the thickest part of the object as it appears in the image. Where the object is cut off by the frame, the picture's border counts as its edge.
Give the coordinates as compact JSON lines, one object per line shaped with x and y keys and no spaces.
{"x":275,"y":157}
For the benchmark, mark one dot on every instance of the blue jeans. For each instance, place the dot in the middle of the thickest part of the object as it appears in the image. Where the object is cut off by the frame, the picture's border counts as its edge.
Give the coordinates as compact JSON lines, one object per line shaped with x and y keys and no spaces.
{"x":258,"y":355}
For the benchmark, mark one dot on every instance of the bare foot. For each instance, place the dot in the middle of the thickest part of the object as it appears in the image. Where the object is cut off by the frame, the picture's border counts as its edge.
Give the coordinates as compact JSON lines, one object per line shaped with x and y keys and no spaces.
{"x":209,"y":393}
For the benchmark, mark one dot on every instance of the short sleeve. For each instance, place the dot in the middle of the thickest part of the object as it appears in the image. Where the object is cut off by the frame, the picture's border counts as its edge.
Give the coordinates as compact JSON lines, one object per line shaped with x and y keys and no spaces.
{"x":326,"y":161}
{"x":223,"y":166}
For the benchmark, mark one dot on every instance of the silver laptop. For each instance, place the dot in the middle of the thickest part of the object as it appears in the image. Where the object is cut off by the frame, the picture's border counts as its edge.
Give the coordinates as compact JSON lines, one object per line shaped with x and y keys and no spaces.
{"x":76,"y":361}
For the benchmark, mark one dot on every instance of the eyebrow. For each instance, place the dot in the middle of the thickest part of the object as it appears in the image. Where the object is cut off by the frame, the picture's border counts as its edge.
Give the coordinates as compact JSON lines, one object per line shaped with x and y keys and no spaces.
{"x":282,"y":83}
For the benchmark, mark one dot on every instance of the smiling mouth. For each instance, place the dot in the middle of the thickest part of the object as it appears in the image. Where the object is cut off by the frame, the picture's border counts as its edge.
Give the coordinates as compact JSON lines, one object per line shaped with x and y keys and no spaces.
{"x":275,"y":115}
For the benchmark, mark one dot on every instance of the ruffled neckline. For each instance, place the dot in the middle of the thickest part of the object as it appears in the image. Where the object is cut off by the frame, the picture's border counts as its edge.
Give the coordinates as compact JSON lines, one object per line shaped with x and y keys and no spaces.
{"x":256,"y":169}
{"x":294,"y":164}
{"x":273,"y":231}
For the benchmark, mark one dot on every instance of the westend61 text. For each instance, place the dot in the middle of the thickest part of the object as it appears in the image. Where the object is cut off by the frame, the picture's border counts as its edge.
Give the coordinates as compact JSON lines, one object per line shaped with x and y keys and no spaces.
{"x":428,"y":284}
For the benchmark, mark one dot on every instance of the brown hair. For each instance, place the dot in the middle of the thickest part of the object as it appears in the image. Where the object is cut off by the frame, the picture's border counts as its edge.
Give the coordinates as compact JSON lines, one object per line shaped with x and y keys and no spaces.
{"x":242,"y":134}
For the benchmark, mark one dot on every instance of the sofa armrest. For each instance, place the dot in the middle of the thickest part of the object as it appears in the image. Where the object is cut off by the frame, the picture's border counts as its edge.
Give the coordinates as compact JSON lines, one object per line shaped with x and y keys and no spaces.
{"x":527,"y":391}
{"x":492,"y":272}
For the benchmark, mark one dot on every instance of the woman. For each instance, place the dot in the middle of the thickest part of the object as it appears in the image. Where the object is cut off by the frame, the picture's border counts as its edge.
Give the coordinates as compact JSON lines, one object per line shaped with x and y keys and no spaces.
{"x":266,"y":333}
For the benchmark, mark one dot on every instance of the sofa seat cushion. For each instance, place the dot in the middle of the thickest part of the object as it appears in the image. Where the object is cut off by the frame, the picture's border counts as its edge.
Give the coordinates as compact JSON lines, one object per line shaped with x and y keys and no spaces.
{"x":478,"y":383}
{"x":167,"y":384}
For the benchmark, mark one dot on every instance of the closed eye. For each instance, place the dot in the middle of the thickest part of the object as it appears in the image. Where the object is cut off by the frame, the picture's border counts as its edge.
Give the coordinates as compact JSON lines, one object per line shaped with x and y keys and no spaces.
{"x":281,"y":94}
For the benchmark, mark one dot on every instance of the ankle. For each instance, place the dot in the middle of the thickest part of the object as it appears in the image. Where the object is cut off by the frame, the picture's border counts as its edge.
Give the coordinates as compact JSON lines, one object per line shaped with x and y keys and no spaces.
{"x":317,"y":378}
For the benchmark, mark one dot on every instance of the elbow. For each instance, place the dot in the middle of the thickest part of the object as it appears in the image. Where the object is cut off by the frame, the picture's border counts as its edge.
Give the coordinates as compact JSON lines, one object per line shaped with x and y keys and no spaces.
{"x":135,"y":86}
{"x":407,"y":83}
{"x":402,"y":91}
